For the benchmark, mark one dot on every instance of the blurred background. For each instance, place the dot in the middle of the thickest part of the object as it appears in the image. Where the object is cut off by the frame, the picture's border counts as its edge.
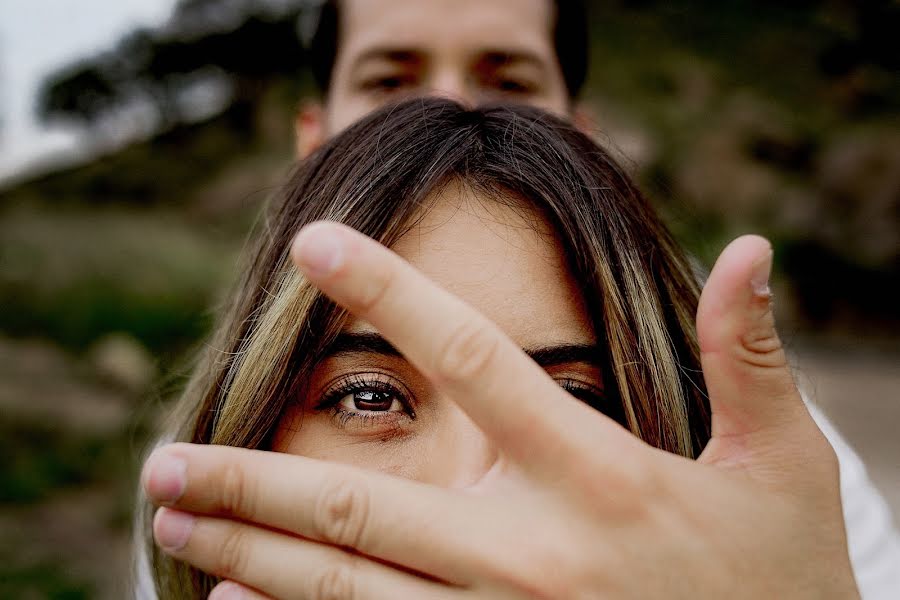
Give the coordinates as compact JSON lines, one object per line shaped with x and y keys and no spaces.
{"x":138,"y":139}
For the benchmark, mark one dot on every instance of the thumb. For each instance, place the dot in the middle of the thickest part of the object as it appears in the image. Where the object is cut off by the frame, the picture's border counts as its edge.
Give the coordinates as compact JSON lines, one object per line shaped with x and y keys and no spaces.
{"x":751,"y":390}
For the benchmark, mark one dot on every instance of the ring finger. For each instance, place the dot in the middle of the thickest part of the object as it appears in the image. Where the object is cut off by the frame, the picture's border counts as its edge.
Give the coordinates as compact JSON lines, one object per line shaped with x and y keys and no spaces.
{"x":282,"y":566}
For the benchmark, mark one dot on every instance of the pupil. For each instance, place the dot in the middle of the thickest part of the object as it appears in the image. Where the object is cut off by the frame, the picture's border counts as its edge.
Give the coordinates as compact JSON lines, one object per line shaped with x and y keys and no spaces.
{"x":371,"y":400}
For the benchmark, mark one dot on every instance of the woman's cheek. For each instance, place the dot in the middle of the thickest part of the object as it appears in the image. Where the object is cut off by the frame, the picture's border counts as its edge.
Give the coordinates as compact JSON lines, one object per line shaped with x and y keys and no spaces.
{"x":387,"y":449}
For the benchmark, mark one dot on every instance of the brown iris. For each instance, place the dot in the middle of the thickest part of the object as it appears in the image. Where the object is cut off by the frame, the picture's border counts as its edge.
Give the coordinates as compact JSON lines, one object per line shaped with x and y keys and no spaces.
{"x":373,"y":400}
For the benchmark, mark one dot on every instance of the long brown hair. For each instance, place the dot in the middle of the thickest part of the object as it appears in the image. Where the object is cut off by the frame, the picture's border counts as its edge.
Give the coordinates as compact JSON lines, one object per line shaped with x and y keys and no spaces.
{"x":377,"y":177}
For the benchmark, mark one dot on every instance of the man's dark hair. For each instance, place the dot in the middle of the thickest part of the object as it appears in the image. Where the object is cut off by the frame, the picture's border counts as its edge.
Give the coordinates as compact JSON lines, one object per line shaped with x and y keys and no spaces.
{"x":570,"y":37}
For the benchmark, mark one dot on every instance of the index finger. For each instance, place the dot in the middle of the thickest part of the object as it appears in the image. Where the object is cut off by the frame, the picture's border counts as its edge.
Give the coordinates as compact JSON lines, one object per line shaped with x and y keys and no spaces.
{"x":463,"y":353}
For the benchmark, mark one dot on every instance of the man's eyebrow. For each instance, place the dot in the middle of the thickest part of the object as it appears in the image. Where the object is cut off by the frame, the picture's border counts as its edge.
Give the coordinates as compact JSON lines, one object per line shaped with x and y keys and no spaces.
{"x":545,"y":356}
{"x":488,"y":56}
{"x":498,"y":57}
{"x":389,"y":53}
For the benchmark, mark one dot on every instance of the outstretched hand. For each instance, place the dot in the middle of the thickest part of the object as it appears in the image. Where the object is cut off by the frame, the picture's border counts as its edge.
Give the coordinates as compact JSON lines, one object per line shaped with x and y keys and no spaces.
{"x":575,"y":507}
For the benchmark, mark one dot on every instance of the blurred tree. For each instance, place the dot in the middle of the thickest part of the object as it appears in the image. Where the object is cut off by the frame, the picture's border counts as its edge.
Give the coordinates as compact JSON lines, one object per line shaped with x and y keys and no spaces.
{"x":224,"y":53}
{"x":84,"y":93}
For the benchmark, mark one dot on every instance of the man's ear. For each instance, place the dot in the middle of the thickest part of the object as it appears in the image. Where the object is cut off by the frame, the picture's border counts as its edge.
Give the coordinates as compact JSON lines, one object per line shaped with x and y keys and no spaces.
{"x":584,"y":119}
{"x":309,"y":128}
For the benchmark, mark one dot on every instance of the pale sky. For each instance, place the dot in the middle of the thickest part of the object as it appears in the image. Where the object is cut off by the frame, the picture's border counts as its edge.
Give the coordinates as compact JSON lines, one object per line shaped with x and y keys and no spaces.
{"x":39,"y":36}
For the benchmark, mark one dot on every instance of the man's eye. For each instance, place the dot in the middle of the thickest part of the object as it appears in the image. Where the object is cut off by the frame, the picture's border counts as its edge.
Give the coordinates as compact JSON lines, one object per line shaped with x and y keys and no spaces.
{"x":512,"y":86}
{"x":388,"y":84}
{"x":509,"y":85}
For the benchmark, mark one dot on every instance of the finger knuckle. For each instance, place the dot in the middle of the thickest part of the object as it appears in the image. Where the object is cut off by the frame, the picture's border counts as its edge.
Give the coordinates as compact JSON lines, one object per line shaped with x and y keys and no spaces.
{"x":335,"y":581}
{"x":233,"y":555}
{"x":341,"y":513}
{"x":535,"y":572}
{"x":236,"y":496}
{"x":760,"y":344}
{"x":467,"y":353}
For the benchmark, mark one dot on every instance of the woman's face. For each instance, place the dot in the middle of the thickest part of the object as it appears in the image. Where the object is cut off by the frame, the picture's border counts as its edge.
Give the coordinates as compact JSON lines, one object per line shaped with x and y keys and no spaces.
{"x":367,"y":406}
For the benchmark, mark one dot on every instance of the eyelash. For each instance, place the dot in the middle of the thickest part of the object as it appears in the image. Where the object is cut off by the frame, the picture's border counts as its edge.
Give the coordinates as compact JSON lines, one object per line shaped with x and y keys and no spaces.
{"x":356,"y":383}
{"x":589,"y":394}
{"x":364,"y":382}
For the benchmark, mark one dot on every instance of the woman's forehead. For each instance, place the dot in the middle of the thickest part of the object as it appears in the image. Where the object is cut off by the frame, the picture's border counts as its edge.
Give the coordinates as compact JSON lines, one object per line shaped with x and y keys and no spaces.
{"x":503,"y":258}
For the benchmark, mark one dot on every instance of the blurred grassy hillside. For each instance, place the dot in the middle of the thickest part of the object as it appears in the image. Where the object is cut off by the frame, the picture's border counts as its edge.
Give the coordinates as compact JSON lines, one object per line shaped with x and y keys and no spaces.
{"x":780,"y":118}
{"x":109,"y":276}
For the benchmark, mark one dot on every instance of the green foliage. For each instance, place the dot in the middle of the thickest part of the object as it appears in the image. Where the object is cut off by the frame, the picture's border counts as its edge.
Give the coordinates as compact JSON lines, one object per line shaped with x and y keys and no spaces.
{"x":39,"y":458}
{"x":166,"y":169}
{"x":74,"y":276}
{"x":792,"y":52}
{"x":767,"y":118}
{"x":43,"y":580}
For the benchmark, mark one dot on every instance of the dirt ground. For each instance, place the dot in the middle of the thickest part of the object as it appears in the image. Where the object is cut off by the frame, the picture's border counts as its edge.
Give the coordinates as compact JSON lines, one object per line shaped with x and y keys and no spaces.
{"x":859,"y":390}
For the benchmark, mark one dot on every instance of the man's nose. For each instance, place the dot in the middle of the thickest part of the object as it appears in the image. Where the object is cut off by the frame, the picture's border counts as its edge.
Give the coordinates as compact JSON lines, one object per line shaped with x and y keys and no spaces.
{"x":450,"y":83}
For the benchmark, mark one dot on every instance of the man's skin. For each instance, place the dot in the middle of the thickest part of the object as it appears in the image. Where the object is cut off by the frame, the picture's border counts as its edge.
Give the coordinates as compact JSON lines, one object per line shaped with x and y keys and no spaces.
{"x":767,"y":484}
{"x":469,"y":50}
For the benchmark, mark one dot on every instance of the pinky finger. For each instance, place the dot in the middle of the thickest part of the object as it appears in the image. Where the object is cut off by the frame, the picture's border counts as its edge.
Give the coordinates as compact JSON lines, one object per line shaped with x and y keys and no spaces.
{"x":231,"y":590}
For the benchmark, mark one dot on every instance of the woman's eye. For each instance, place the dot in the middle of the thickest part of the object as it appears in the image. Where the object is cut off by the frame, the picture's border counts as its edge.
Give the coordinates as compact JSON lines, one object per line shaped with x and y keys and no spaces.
{"x":371,"y":401}
{"x":589,"y":394}
{"x":368,"y":402}
{"x":597,"y":397}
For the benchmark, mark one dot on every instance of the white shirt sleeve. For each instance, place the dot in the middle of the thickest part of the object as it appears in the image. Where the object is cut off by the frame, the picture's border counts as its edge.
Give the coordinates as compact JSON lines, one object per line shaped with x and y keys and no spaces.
{"x":143,"y":587}
{"x":874,"y":542}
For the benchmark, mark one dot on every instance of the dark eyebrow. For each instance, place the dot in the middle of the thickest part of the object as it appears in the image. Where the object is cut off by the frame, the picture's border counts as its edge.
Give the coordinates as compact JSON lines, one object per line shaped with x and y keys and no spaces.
{"x":498,"y":58}
{"x":353,"y":343}
{"x":551,"y":356}
{"x":494,"y":57}
{"x":546,"y":356}
{"x":399,"y":55}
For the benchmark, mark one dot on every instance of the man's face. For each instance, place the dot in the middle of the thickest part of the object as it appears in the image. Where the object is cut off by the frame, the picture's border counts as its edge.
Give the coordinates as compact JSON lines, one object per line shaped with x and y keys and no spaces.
{"x":472,"y":51}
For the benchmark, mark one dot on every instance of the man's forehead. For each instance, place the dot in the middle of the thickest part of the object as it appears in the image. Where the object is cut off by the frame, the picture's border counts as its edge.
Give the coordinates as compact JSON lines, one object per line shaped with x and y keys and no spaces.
{"x":460,"y":26}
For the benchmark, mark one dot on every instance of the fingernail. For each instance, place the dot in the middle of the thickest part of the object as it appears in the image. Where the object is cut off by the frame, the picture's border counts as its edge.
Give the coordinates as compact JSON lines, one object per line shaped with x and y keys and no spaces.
{"x":172,"y":529}
{"x":166,"y":477}
{"x":318,"y":248}
{"x":759,"y":277}
{"x":227,"y":590}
